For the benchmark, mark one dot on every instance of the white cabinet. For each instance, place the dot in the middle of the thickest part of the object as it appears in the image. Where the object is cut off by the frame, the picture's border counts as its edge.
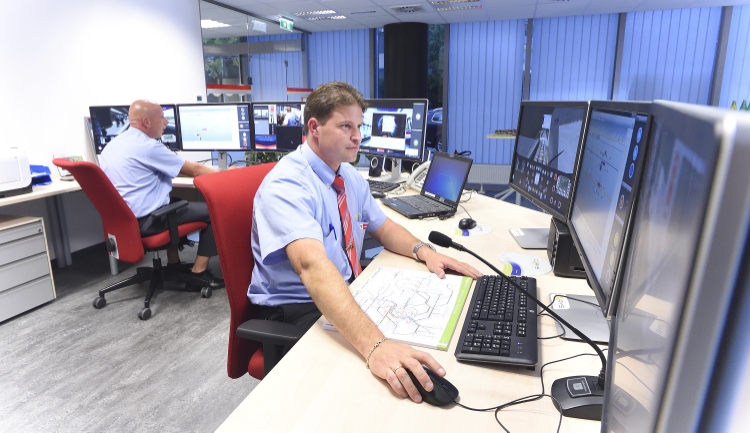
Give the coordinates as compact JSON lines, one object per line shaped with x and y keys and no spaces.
{"x":25,"y":272}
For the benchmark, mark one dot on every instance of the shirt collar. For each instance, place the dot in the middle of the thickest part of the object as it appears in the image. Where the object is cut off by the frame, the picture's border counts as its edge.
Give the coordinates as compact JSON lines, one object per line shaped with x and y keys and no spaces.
{"x":320,"y":168}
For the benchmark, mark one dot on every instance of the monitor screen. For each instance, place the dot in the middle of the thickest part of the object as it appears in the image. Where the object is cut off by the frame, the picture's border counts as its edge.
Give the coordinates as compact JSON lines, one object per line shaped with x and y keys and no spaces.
{"x":278,"y":126}
{"x":664,"y":255}
{"x":446,"y":177}
{"x":546,"y":153}
{"x":608,"y":177}
{"x":220,"y":127}
{"x":107,"y":122}
{"x":394,"y":128}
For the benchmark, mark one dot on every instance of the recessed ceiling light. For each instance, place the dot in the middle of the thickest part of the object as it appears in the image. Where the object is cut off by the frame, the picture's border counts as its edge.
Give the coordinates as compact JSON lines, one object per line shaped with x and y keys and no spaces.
{"x":459,"y":8}
{"x":334,"y":17}
{"x":211,"y":24}
{"x":304,"y":14}
{"x":363,"y":12}
{"x":448,"y":2}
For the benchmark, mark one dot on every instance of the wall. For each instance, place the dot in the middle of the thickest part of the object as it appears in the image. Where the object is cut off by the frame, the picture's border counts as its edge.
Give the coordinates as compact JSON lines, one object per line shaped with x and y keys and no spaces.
{"x":60,"y":57}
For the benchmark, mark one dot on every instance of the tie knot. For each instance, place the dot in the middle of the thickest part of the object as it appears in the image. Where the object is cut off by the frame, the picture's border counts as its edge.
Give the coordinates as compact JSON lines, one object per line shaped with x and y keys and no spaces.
{"x":338,"y":183}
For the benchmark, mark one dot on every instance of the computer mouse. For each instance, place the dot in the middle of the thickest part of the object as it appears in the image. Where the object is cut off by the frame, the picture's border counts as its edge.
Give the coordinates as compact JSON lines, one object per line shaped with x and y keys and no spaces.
{"x":443,"y":392}
{"x":467,"y":224}
{"x":377,"y":194}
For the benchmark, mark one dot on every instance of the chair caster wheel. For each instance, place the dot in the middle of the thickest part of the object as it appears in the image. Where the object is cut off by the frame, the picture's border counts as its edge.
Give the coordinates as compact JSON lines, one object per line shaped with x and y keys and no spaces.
{"x":206,"y":292}
{"x":99,"y":302}
{"x":144,"y":313}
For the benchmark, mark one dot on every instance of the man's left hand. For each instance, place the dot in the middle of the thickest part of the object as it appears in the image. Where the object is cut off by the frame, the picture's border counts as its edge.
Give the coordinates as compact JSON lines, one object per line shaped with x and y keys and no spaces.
{"x":437,"y":263}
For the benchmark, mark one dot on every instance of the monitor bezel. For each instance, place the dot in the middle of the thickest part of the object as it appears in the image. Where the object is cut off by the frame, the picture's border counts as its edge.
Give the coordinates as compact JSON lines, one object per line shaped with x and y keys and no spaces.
{"x":573,"y":176}
{"x":208,"y":104}
{"x":401,"y":103}
{"x":252,"y":124}
{"x":608,"y":302}
{"x":178,"y":145}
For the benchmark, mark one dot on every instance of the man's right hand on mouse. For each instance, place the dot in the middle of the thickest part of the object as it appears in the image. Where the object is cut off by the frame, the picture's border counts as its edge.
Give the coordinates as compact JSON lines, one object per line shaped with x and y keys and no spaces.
{"x":390,"y":361}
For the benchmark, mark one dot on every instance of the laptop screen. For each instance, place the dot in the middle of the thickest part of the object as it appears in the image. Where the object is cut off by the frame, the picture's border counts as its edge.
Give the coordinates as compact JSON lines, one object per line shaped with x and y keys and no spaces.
{"x":446,"y":177}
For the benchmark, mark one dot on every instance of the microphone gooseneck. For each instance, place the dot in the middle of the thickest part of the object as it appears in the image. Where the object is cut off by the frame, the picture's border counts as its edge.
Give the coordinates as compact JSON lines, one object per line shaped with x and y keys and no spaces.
{"x":446,"y":242}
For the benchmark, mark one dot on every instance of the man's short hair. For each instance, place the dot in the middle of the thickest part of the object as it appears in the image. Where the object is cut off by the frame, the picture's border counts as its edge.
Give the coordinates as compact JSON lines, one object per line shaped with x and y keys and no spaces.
{"x":326,"y":98}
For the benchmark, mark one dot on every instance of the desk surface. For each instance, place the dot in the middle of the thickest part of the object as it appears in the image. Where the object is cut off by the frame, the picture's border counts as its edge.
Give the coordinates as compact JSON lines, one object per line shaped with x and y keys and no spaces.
{"x":322,"y":383}
{"x":56,"y":187}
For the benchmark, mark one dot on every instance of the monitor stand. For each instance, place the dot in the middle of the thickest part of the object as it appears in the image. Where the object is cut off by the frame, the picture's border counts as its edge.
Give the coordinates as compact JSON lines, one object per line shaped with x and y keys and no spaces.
{"x":587,"y":318}
{"x":222,"y":161}
{"x":531,"y":239}
{"x":396,"y":172}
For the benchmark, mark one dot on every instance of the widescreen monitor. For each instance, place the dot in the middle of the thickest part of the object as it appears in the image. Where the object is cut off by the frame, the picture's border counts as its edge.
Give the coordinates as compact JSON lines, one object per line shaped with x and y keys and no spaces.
{"x":278,"y":126}
{"x":395,"y":128}
{"x":609,"y":175}
{"x":109,"y":121}
{"x":214,"y":127}
{"x":681,"y":271}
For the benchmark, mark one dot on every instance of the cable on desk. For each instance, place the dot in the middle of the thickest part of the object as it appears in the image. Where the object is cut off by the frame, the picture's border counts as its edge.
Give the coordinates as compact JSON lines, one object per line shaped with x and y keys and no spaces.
{"x":467,"y":212}
{"x":471,"y":195}
{"x":563,"y":327}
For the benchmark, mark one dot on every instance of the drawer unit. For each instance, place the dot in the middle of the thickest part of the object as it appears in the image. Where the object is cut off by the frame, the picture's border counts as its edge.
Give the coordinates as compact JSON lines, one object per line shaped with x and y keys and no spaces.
{"x":25,"y":272}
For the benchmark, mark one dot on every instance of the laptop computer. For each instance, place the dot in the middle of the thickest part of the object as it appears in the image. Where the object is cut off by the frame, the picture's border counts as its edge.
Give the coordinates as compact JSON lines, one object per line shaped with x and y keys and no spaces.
{"x":441,"y":191}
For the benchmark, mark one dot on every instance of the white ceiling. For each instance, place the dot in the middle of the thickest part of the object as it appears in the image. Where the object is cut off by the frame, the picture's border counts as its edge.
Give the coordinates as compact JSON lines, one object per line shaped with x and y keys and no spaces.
{"x":363,"y":14}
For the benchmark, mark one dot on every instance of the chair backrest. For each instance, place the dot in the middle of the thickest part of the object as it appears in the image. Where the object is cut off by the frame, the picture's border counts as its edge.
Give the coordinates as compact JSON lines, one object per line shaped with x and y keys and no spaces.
{"x":117,"y":218}
{"x":229,"y":195}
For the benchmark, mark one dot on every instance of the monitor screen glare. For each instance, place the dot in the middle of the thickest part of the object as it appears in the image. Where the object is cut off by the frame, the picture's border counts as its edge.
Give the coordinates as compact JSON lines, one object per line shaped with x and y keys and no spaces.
{"x":278,"y":125}
{"x":394,"y":128}
{"x":221,"y":127}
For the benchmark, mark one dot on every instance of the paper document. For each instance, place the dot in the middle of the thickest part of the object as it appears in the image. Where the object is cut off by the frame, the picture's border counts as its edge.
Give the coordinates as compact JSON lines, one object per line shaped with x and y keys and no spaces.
{"x":414,"y":307}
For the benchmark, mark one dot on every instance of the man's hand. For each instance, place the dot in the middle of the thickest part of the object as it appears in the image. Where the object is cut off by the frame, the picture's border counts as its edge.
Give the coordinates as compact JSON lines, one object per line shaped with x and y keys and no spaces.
{"x":437,"y":263}
{"x":390,"y":360}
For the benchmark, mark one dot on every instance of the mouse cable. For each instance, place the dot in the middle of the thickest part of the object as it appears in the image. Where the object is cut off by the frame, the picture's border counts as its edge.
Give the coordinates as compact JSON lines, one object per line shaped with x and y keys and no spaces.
{"x":471,"y":195}
{"x":467,"y":212}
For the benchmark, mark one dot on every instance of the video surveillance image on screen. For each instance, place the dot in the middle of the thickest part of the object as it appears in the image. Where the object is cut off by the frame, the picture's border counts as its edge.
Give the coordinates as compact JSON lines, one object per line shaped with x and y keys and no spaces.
{"x":545,"y":158}
{"x":107,"y":122}
{"x":394,"y":128}
{"x":278,"y":126}
{"x":220,"y":127}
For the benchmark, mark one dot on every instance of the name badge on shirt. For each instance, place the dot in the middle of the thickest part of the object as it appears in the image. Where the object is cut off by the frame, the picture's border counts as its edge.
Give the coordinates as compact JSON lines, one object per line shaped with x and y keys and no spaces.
{"x":363,"y":226}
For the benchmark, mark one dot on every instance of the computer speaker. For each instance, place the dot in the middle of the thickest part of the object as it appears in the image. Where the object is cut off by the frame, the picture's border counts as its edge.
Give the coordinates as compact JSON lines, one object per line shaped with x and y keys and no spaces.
{"x":562,"y":252}
{"x":376,"y":166}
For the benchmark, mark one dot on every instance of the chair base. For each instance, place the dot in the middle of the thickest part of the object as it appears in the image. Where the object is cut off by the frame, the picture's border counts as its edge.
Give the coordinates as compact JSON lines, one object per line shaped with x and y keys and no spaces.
{"x":156,"y":276}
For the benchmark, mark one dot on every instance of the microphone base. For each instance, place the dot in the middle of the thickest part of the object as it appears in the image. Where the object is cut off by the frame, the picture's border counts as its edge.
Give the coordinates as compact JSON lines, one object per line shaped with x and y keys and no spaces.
{"x":578,"y":397}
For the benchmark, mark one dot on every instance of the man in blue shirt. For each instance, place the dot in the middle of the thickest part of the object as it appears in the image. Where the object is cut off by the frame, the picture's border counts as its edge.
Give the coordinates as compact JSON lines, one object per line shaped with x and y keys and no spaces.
{"x":141,"y":169}
{"x":301,"y":262}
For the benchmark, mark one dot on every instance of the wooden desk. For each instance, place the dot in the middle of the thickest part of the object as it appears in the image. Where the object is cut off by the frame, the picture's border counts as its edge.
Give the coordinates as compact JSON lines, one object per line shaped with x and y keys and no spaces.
{"x":322,"y":384}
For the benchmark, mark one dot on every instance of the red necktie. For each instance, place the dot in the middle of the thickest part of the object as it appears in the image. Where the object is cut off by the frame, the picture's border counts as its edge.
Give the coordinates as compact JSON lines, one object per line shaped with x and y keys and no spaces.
{"x":346,"y":222}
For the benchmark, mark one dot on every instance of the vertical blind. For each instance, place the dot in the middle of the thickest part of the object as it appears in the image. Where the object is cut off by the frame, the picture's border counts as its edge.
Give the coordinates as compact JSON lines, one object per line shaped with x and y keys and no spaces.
{"x":272,"y":73}
{"x":669,"y":55}
{"x":485,"y":81}
{"x":341,"y":56}
{"x":735,"y":85}
{"x":573,"y":58}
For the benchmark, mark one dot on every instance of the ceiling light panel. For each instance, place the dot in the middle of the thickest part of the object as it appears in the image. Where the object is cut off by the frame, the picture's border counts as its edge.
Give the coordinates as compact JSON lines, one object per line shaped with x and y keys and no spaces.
{"x":334,"y":17}
{"x":325,"y":12}
{"x":458,"y":8}
{"x":211,"y":24}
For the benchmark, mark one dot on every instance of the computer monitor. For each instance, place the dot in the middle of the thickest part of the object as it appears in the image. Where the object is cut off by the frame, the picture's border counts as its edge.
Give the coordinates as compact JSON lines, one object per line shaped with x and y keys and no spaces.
{"x":278,"y":126}
{"x":395,"y":128}
{"x":109,"y":121}
{"x":215,"y":127}
{"x":681,"y":270}
{"x":545,"y":160}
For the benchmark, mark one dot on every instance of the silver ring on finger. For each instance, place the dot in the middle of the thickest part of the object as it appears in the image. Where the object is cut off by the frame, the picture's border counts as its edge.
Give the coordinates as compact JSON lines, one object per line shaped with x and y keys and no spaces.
{"x":395,"y":369}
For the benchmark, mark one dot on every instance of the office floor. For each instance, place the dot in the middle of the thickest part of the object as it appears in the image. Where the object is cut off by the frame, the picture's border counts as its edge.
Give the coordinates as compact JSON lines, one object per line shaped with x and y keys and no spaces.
{"x":67,"y":367}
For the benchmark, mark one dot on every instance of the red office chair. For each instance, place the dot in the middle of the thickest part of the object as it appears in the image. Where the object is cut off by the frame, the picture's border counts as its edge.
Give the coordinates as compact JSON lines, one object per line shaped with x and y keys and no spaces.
{"x":124,"y":241}
{"x":229,"y":195}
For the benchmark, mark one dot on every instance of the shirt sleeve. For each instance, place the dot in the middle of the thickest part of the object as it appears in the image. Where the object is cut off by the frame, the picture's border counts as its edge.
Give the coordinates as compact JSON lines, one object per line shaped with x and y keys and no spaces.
{"x":163,"y":160}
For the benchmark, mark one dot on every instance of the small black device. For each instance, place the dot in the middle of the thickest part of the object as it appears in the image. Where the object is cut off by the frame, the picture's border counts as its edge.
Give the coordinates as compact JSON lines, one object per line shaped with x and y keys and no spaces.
{"x":377,"y":194}
{"x":443,"y":392}
{"x":376,"y":166}
{"x":562,"y":252}
{"x":467,"y":224}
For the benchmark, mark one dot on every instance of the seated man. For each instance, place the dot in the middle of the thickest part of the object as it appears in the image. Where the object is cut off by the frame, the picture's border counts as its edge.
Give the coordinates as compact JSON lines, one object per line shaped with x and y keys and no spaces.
{"x":141,"y":169}
{"x":310,"y":216}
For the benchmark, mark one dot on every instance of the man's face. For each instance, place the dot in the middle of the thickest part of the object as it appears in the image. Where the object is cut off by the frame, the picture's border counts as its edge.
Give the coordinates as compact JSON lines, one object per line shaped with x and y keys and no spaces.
{"x":339,"y":138}
{"x":157,"y":122}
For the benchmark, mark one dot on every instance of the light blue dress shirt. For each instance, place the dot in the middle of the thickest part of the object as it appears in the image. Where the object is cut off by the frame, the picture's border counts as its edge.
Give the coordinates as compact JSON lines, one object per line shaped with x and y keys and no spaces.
{"x":141,"y":169}
{"x":296,"y":201}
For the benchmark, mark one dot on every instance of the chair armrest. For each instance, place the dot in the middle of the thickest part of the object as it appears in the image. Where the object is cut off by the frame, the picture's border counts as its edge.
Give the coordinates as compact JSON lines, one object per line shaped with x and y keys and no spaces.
{"x":169,"y":210}
{"x":158,"y":213}
{"x":269,"y":331}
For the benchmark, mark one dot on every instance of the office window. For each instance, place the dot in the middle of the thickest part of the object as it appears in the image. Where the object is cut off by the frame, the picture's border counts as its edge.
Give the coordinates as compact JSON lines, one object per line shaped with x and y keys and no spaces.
{"x":341,"y":55}
{"x":485,"y":60}
{"x":669,"y":55}
{"x":735,"y":85}
{"x":273,"y":72}
{"x":573,"y":58}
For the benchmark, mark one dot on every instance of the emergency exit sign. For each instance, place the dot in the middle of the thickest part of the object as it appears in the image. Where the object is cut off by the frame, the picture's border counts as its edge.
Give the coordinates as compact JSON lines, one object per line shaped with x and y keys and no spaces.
{"x":286,"y":24}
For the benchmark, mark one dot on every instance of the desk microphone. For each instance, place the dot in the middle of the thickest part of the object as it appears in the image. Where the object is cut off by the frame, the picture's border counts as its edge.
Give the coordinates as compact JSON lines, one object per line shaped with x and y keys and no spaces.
{"x":578,"y":396}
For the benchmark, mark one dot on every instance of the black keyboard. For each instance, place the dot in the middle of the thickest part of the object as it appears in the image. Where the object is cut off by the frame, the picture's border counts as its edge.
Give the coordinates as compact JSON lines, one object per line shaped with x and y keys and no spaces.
{"x":379,"y":185}
{"x":424,"y":204}
{"x":501,"y":323}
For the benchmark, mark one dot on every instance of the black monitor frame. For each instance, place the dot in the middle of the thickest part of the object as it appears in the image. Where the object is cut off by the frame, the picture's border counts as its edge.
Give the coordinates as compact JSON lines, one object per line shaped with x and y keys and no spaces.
{"x":607,"y":298}
{"x":291,"y":134}
{"x":210,"y":148}
{"x":417,"y":128}
{"x":96,"y":138}
{"x":544,"y":204}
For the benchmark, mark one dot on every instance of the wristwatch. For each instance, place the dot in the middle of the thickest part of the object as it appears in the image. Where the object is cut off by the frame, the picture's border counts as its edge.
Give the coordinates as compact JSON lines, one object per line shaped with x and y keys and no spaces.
{"x":420,"y":245}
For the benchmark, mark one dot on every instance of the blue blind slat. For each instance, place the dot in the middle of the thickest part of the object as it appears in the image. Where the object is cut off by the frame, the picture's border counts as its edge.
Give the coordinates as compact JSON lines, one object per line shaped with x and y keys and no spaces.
{"x":735,"y":85}
{"x":351,"y":59}
{"x":270,"y":75}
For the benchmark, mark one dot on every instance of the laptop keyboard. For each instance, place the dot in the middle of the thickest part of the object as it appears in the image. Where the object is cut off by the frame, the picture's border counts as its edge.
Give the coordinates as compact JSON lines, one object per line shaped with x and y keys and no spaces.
{"x":379,"y":185}
{"x":501,"y":323}
{"x":424,"y":204}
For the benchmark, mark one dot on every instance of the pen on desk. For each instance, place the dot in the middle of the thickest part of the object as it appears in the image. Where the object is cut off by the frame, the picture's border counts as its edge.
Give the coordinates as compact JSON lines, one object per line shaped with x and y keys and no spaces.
{"x":330,"y":227}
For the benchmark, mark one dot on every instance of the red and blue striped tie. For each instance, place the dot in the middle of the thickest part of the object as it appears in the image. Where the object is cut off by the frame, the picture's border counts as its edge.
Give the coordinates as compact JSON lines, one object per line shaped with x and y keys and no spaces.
{"x":346,"y":222}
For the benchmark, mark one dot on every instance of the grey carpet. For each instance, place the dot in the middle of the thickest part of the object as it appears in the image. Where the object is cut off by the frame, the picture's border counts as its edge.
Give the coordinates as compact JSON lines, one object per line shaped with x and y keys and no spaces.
{"x":67,"y":367}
